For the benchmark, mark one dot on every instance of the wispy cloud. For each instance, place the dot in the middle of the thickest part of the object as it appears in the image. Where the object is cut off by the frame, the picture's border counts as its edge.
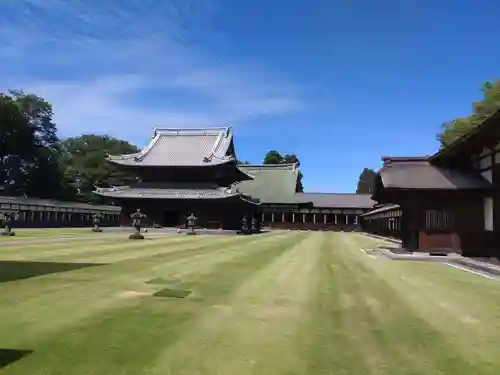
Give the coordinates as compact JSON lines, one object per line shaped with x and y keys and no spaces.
{"x":122,"y":67}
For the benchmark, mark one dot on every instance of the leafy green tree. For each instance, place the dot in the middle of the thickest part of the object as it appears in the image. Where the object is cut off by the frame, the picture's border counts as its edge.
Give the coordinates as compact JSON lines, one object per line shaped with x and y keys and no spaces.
{"x":481,"y":109}
{"x":366,"y":182}
{"x":274,"y":157}
{"x":87,"y":167}
{"x":28,"y":147}
{"x":45,"y":175}
{"x":39,"y":114}
{"x":17,"y":147}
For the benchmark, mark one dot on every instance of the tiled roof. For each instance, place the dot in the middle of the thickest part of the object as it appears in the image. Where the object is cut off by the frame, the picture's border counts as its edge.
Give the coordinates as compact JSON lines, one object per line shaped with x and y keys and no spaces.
{"x":384,"y":208}
{"x":423,"y":175}
{"x":276,"y":183}
{"x":183,"y":147}
{"x":337,"y":200}
{"x":172,"y":191}
{"x":272,"y":183}
{"x":56,"y":203}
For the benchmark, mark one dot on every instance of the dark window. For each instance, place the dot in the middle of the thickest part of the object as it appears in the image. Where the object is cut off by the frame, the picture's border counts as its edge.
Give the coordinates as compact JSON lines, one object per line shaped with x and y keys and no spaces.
{"x":439,"y":220}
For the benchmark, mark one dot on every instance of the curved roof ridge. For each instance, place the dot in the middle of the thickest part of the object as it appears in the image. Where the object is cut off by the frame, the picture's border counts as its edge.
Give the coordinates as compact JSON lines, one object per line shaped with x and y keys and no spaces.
{"x":137,"y":155}
{"x":146,"y":150}
{"x":270,"y":166}
{"x":192,"y":131}
{"x":222,"y":144}
{"x":196,"y":146}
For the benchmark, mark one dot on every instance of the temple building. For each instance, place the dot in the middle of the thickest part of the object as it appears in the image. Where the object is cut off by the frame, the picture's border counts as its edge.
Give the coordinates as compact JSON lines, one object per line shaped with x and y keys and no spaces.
{"x":184,"y":171}
{"x":447,"y":201}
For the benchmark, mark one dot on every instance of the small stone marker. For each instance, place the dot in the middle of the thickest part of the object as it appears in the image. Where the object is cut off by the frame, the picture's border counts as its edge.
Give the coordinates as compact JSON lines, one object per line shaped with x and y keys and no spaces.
{"x":6,"y":219}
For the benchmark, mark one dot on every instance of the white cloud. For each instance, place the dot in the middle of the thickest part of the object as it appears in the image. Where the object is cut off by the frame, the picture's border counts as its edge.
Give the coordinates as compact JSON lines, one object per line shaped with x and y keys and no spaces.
{"x":122,"y":68}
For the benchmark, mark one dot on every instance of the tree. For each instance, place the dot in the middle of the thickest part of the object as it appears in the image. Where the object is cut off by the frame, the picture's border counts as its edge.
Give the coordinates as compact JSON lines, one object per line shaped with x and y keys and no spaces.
{"x":299,"y":188}
{"x":274,"y":157}
{"x":17,"y":146}
{"x":86,"y":166}
{"x":481,"y":109}
{"x":44,"y":173}
{"x":366,"y":182}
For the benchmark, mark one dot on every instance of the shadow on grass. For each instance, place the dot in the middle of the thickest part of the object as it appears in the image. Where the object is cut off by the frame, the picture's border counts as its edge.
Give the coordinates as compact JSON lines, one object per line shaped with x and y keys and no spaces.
{"x":18,"y":270}
{"x":172,"y":293}
{"x":9,"y":356}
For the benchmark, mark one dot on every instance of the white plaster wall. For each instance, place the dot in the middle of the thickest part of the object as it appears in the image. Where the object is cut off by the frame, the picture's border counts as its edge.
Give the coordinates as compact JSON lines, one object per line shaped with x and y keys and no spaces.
{"x":488,"y":213}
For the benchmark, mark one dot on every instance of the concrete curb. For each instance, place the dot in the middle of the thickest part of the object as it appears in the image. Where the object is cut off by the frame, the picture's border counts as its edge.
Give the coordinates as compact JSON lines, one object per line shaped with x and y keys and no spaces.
{"x":452,"y":259}
{"x":393,"y":240}
{"x":417,"y":256}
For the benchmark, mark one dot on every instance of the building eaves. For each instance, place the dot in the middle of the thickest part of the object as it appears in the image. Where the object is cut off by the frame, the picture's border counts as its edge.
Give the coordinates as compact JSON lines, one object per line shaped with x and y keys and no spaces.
{"x":178,"y":192}
{"x":379,"y":210}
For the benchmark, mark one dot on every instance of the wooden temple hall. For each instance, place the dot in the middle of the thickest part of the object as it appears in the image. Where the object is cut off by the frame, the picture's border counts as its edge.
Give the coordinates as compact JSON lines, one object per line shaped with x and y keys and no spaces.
{"x":184,"y":171}
{"x":447,"y":201}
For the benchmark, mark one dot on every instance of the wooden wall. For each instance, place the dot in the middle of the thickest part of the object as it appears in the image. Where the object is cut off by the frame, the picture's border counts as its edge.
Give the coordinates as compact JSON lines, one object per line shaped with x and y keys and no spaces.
{"x":465,"y":234}
{"x":227,"y":214}
{"x":39,"y":213}
{"x":217,"y":214}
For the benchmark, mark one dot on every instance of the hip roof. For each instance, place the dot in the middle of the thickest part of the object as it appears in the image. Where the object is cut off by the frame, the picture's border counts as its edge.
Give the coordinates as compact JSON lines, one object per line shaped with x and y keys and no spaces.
{"x":271,"y":183}
{"x":183,"y":147}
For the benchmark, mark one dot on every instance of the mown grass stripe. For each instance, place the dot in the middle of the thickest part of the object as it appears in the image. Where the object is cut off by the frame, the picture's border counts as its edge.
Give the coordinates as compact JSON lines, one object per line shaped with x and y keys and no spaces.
{"x":257,"y":321}
{"x":136,"y":332}
{"x":283,"y":303}
{"x":102,"y":287}
{"x":68,"y":249}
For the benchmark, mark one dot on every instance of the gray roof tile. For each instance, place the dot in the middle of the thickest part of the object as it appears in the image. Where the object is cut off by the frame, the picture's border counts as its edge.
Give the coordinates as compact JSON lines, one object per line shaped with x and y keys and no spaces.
{"x":183,"y":147}
{"x":272,"y":183}
{"x":423,"y":175}
{"x":277,"y":183}
{"x":172,"y":191}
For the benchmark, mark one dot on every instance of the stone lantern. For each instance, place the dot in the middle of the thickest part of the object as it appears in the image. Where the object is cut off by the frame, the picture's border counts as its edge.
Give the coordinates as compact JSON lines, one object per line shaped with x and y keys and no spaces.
{"x":191,"y":223}
{"x":96,"y":220}
{"x":6,"y":218}
{"x":136,"y":223}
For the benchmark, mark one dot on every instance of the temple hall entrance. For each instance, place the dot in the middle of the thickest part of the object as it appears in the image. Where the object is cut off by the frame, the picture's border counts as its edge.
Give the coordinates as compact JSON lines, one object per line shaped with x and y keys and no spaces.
{"x":171,"y":218}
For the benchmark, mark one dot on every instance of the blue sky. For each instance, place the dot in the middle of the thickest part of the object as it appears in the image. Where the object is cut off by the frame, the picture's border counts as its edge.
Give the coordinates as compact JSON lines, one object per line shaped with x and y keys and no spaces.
{"x":339,"y":83}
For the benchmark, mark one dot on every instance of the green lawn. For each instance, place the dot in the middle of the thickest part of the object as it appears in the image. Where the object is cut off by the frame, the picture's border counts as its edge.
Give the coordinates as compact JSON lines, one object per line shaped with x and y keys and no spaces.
{"x":280,"y":303}
{"x":39,"y":233}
